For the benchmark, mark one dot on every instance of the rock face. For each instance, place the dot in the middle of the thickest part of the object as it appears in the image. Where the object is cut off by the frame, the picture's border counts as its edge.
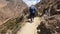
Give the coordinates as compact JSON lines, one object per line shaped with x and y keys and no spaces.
{"x":50,"y":25}
{"x":3,"y":3}
{"x":48,"y":5}
{"x":11,"y":15}
{"x":50,"y":10}
{"x":11,"y":8}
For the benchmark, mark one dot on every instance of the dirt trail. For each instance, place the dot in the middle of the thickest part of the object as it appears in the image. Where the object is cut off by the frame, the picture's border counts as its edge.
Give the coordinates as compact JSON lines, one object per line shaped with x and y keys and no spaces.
{"x":30,"y":28}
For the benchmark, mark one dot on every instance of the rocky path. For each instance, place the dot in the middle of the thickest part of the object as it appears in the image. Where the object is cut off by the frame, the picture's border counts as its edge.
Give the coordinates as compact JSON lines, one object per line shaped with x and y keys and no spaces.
{"x":30,"y":28}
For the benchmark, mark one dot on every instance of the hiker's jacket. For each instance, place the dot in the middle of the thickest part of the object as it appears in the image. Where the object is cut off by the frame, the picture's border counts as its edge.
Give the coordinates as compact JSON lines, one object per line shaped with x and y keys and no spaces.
{"x":32,"y":9}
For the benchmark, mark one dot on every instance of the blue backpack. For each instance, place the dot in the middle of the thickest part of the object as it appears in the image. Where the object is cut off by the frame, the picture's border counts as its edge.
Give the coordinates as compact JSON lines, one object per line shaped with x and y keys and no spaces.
{"x":32,"y":9}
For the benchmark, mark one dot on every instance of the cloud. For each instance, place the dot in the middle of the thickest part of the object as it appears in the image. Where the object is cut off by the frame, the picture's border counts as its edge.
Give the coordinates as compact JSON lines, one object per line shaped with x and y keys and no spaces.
{"x":31,"y":2}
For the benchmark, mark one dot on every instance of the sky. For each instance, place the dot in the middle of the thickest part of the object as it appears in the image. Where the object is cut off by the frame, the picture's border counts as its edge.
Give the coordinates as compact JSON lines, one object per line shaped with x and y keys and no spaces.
{"x":31,"y":2}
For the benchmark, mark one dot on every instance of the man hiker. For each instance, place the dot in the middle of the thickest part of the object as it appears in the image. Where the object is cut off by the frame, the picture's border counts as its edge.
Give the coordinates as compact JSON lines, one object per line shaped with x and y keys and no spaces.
{"x":32,"y":10}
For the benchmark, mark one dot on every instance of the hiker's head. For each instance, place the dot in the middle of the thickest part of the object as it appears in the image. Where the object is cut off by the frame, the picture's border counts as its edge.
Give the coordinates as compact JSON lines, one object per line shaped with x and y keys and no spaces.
{"x":32,"y":7}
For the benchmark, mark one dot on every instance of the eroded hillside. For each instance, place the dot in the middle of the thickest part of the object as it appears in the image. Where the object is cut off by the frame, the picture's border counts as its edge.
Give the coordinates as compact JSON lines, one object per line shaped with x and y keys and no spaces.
{"x":51,"y":14}
{"x":10,"y":9}
{"x":11,"y":15}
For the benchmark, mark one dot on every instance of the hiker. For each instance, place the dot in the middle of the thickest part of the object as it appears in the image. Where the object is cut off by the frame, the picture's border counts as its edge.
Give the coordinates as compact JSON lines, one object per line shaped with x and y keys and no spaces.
{"x":32,"y":10}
